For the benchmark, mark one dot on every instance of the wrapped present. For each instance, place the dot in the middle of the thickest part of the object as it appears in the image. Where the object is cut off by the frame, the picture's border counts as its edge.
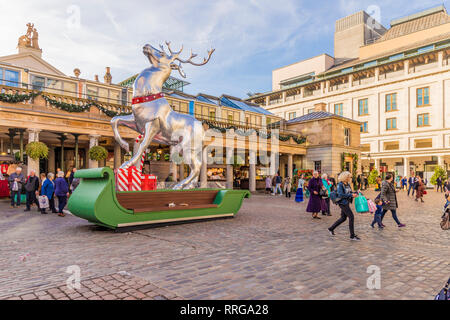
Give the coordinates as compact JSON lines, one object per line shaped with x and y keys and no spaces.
{"x":149,"y":182}
{"x":128,"y":179}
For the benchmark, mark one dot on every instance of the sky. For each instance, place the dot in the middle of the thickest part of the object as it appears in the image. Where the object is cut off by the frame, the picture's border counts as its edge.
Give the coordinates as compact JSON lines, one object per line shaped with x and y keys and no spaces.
{"x":251,"y":37}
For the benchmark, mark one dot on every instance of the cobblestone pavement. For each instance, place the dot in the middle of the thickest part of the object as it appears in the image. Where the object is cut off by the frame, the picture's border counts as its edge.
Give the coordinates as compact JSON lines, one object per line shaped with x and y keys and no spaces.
{"x":119,"y":286}
{"x":272,"y":249}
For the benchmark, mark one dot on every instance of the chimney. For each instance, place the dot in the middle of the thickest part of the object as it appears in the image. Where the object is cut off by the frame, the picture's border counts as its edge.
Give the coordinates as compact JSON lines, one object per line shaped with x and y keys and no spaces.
{"x":108,"y":76}
{"x":77,"y":72}
{"x":96,"y":78}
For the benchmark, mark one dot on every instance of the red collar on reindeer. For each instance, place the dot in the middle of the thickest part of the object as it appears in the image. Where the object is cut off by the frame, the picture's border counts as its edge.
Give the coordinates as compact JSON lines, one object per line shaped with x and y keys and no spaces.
{"x":147,"y":98}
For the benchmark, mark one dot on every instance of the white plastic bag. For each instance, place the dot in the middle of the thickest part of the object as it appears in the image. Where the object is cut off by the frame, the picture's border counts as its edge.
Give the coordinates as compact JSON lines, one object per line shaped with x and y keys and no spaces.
{"x":43,"y":202}
{"x":15,"y":186}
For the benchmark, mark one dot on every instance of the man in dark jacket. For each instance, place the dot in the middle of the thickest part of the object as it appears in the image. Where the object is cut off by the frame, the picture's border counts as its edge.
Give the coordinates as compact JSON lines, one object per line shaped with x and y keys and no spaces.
{"x":16,"y":180}
{"x":411,"y":182}
{"x":32,"y":190}
{"x":439,"y":184}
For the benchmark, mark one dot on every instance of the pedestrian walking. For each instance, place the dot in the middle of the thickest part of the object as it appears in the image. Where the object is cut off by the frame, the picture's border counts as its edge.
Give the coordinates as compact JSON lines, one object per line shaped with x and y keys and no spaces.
{"x":287,"y":185}
{"x":16,"y":181}
{"x":378,"y":214}
{"x":345,"y":197}
{"x":411,"y":185}
{"x":315,"y":203}
{"x":420,"y":189}
{"x":299,"y":193}
{"x":32,"y":190}
{"x":62,"y":192}
{"x":439,"y":184}
{"x":48,"y":190}
{"x":327,"y":186}
{"x":277,"y":182}
{"x":389,"y":197}
{"x":268,"y":185}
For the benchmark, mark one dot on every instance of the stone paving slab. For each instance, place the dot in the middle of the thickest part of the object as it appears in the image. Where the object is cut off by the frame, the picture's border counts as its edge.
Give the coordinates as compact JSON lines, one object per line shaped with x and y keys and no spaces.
{"x":271,"y":250}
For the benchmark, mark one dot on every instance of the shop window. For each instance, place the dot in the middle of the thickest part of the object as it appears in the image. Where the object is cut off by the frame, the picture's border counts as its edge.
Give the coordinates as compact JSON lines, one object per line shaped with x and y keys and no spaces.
{"x":339,"y":109}
{"x":38,"y":83}
{"x":423,"y":97}
{"x":365,"y":147}
{"x":393,"y":145}
{"x":391,"y":123}
{"x":423,"y":120}
{"x":292,"y":115}
{"x":318,"y":166}
{"x":363,"y":107}
{"x":423,"y":143}
{"x":391,"y":102}
{"x":364,"y":127}
{"x":346,"y":136}
{"x":11,"y":78}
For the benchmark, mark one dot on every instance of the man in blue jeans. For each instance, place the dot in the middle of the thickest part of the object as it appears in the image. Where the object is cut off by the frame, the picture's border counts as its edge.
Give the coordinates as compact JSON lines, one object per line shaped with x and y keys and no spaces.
{"x":16,"y":180}
{"x":412,"y":183}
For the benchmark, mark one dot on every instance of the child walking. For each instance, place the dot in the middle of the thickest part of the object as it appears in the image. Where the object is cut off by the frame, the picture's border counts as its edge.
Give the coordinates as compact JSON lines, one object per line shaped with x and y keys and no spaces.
{"x":378,"y":214}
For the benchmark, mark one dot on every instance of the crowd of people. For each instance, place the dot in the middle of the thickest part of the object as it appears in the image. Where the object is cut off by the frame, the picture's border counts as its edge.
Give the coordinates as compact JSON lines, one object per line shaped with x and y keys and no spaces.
{"x":45,"y":192}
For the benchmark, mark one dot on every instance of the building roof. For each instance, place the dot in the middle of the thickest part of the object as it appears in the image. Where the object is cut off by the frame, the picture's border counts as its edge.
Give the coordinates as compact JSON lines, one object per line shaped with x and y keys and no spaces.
{"x":420,"y":21}
{"x":171,"y":83}
{"x":317,"y":115}
{"x":240,"y":104}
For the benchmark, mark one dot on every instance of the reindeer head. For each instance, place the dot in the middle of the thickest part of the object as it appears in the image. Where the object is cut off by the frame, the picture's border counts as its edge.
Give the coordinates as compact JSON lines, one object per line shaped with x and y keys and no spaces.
{"x":166,"y":61}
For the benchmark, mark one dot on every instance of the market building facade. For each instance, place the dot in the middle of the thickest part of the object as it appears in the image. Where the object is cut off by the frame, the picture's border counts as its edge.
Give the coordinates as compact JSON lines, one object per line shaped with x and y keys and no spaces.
{"x":394,"y":81}
{"x":71,"y":115}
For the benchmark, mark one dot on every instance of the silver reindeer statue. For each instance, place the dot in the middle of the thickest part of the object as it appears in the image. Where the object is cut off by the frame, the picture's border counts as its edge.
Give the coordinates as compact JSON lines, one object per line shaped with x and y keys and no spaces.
{"x":153,"y":117}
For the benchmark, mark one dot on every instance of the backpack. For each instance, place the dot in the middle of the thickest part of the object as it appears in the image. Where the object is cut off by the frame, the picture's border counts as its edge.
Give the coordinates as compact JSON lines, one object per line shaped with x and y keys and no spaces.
{"x":334,"y":196}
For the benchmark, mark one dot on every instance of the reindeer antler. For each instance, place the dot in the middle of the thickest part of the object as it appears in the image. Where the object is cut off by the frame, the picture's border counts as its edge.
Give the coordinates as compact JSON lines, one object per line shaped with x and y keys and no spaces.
{"x":193,"y":55}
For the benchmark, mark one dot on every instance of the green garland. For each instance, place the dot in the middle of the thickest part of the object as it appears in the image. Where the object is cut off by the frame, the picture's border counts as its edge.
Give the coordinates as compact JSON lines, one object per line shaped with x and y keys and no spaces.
{"x":16,"y":98}
{"x":69,"y":107}
{"x":264,"y":135}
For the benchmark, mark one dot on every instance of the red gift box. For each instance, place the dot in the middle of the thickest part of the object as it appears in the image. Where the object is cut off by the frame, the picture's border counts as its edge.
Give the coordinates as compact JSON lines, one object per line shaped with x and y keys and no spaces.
{"x":149,"y":182}
{"x":128,"y":179}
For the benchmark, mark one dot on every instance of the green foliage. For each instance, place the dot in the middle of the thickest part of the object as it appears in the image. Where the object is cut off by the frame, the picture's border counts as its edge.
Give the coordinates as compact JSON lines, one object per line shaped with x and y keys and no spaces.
{"x":438,"y":172}
{"x":373,"y":176}
{"x":98,"y":153}
{"x":36,"y":150}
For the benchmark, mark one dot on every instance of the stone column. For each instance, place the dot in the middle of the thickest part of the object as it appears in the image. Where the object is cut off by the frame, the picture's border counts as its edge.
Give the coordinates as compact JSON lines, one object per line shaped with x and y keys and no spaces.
{"x":441,"y":161}
{"x":117,"y":155}
{"x":11,"y":134}
{"x":204,"y":169}
{"x":229,"y":161}
{"x":21,"y":143}
{"x":93,"y":141}
{"x":290,"y":165}
{"x":33,"y":136}
{"x":77,"y":160}
{"x":51,"y":160}
{"x":252,"y":171}
{"x":62,"y":138}
{"x":406,"y":166}
{"x":274,"y":162}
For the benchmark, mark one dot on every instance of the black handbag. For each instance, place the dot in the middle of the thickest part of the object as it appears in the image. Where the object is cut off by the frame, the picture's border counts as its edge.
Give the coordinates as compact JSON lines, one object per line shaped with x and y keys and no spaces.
{"x":323,"y":193}
{"x":445,"y":293}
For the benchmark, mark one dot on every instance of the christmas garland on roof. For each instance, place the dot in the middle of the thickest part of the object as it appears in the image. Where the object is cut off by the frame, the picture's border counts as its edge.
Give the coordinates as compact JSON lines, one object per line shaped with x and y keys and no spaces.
{"x":17,"y":97}
{"x":69,"y":107}
{"x":262,"y":134}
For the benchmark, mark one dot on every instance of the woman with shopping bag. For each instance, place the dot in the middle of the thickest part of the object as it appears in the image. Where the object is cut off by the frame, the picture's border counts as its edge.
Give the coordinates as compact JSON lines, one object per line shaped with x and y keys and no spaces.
{"x":47,"y":191}
{"x":389,"y":197}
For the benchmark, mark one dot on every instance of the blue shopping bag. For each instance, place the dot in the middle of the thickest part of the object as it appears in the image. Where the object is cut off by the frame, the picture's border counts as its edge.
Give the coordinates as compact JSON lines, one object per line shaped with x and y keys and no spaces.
{"x":361,"y":204}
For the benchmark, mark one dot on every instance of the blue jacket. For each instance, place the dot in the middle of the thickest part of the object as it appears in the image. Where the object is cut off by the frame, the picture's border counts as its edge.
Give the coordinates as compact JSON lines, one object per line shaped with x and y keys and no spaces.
{"x":344,"y":193}
{"x":61,"y":187}
{"x":379,"y":209}
{"x":48,"y":188}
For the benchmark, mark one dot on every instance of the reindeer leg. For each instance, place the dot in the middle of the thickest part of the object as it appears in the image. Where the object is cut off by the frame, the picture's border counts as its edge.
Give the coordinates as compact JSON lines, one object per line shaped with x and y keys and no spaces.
{"x":191,"y":181}
{"x":127,"y":121}
{"x":151,"y":130}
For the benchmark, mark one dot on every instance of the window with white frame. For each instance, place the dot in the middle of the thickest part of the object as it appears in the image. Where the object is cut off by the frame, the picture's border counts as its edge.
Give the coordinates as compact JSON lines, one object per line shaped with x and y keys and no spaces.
{"x":346,"y":136}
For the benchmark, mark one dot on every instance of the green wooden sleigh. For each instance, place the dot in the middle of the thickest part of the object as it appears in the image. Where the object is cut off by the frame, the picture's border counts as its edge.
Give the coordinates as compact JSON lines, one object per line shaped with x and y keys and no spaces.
{"x":96,"y":200}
